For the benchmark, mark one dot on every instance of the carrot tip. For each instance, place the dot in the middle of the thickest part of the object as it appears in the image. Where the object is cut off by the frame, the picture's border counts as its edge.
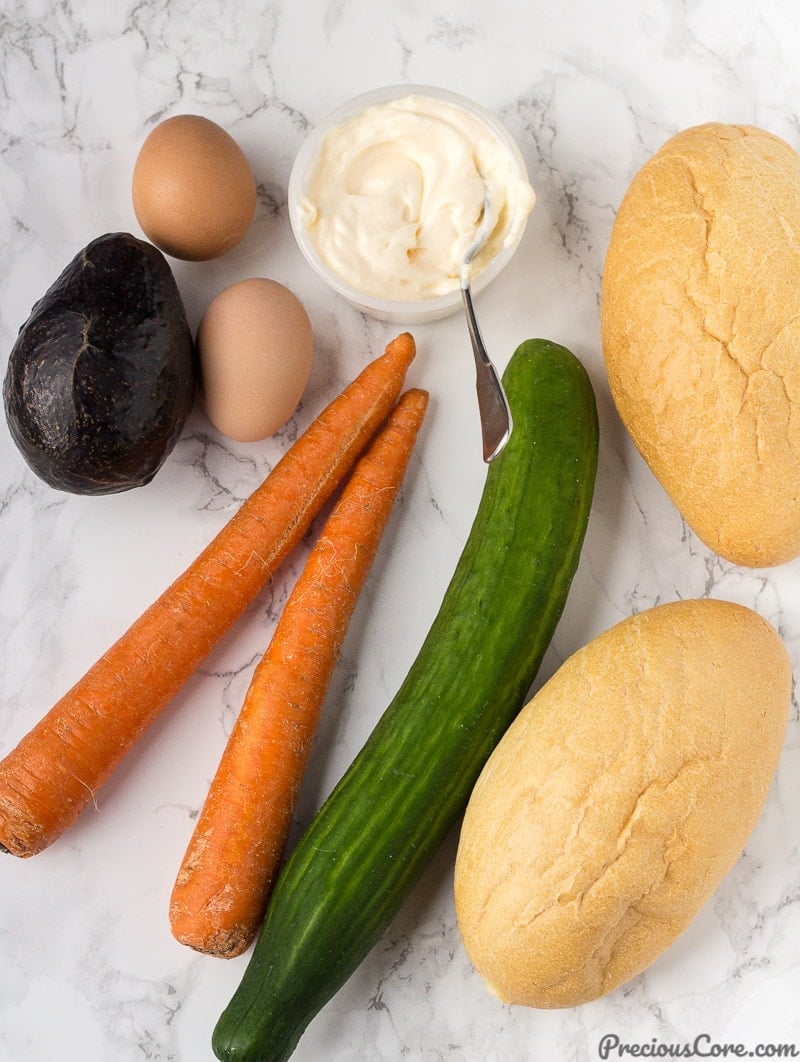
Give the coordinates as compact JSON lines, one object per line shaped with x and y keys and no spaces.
{"x":404,"y":347}
{"x":222,"y":944}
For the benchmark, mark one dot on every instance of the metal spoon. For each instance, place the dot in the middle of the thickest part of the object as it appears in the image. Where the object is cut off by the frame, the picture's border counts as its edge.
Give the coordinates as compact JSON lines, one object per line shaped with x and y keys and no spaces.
{"x":493,"y":406}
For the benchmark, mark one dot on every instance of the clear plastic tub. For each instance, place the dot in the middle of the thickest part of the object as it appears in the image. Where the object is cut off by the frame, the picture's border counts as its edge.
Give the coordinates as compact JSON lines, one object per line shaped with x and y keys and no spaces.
{"x":409,"y":312}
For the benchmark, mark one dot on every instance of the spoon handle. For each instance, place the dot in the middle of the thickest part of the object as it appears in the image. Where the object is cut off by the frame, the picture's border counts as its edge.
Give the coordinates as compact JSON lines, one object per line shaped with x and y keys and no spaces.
{"x":492,"y":402}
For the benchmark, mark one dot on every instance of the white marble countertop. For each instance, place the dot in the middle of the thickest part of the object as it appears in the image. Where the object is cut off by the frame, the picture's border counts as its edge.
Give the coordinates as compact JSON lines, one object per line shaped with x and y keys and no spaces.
{"x":88,"y":969}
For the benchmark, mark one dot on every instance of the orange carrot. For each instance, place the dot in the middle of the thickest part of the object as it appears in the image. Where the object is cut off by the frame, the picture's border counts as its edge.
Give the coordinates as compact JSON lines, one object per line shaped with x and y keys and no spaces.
{"x":58,"y":767}
{"x":233,"y":857}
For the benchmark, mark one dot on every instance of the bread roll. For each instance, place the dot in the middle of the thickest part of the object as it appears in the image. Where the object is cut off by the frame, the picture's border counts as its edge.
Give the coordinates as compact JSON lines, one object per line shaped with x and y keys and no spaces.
{"x":700,"y":320}
{"x":618,"y":799}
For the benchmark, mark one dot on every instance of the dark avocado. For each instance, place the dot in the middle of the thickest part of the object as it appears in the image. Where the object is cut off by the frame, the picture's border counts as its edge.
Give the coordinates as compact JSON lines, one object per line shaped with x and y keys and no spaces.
{"x":102,"y":377}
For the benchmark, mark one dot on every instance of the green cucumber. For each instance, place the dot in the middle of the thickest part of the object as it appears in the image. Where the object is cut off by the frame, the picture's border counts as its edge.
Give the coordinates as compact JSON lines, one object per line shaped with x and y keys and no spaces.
{"x":361,"y":855}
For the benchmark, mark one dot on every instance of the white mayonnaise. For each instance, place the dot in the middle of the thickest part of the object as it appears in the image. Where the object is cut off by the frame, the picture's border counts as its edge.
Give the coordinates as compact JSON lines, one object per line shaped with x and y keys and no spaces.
{"x":396,"y":196}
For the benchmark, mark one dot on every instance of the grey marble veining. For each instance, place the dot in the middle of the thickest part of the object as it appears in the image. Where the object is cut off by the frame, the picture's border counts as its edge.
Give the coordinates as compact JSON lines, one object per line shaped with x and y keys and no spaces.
{"x":88,"y":969}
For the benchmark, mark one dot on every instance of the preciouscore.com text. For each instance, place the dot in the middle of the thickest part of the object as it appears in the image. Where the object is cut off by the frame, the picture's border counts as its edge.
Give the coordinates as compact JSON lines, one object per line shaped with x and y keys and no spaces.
{"x":702,"y":1046}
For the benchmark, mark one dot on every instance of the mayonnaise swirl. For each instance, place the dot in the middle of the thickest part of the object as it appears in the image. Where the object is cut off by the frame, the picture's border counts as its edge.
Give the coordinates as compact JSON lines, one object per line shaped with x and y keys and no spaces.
{"x":397,"y":194}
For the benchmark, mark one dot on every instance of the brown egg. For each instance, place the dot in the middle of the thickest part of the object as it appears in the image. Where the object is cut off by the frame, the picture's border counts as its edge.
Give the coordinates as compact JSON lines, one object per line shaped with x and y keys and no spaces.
{"x":255,"y":346}
{"x":193,"y":190}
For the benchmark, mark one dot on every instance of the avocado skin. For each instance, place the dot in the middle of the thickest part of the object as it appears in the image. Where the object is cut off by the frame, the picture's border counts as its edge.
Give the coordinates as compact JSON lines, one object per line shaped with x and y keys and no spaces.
{"x":102,"y":376}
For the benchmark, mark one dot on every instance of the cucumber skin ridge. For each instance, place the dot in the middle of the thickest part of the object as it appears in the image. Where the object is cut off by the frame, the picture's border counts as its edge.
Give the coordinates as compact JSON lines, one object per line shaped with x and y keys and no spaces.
{"x":373,"y":837}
